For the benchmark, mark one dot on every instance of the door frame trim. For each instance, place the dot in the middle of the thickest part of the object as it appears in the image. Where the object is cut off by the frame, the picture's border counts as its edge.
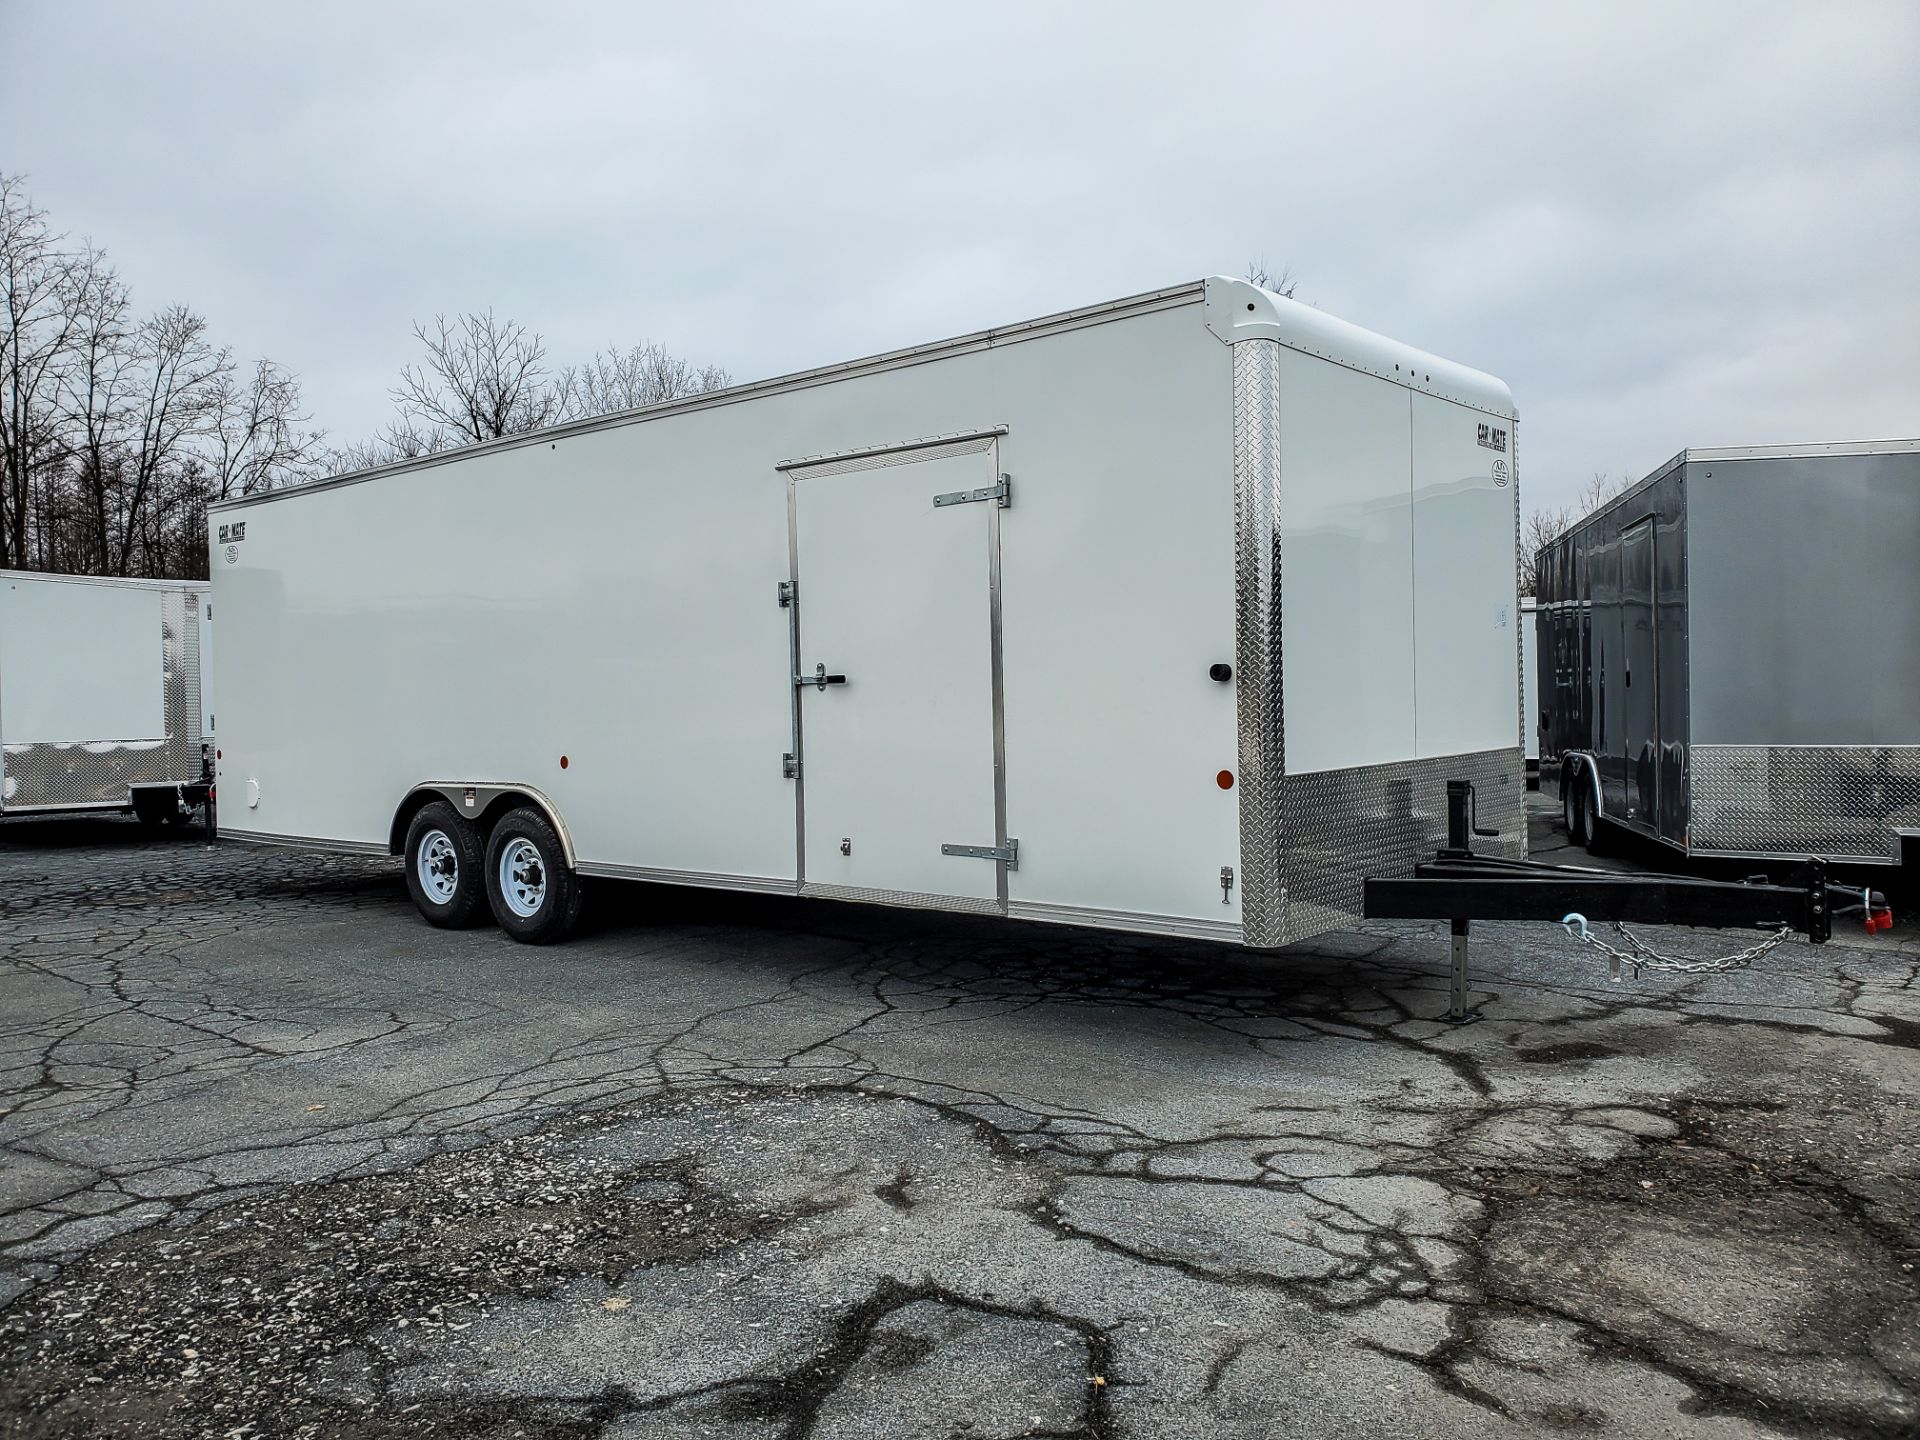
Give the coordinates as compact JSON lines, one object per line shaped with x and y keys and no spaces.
{"x":996,"y":651}
{"x":900,"y":452}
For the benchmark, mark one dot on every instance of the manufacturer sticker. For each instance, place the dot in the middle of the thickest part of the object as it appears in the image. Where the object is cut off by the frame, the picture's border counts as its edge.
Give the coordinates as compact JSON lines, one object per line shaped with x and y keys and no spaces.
{"x":1493,"y":437}
{"x":1500,"y":472}
{"x":233,"y":554}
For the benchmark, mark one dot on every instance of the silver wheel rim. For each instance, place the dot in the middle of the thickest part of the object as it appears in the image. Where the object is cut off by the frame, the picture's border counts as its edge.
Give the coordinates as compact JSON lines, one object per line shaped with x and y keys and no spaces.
{"x":438,"y":865}
{"x":523,"y":877}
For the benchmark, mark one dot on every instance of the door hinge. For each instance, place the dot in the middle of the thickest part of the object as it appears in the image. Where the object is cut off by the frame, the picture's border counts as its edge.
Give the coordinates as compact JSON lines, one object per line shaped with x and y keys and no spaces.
{"x":1002,"y":494}
{"x":789,"y":766}
{"x":1010,"y":852}
{"x":788,"y":589}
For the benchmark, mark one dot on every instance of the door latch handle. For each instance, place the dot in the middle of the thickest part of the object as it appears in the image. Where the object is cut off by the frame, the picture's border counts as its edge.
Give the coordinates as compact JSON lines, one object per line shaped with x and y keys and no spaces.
{"x":820,"y":679}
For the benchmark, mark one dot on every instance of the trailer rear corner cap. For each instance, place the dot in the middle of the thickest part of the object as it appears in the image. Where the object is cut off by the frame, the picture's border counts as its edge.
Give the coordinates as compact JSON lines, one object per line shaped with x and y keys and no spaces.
{"x":1239,"y":310}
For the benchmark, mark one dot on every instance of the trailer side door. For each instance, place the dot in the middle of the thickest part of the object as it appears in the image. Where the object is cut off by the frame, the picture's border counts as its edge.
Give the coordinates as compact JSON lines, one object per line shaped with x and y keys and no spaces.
{"x":897,"y":677}
{"x":1640,"y":677}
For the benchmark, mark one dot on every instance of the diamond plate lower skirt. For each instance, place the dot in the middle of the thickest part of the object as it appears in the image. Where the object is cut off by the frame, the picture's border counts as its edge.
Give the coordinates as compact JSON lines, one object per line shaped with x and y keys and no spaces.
{"x":61,"y":777}
{"x":1840,"y":801}
{"x":1340,"y":826}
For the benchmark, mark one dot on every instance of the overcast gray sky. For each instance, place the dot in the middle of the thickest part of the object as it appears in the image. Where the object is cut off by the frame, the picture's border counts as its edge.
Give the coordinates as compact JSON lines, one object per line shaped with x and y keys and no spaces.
{"x":1669,"y":225}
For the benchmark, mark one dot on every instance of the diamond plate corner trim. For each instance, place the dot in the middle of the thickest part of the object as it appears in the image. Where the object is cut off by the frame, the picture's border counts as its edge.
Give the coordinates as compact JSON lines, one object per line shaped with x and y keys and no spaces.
{"x":1343,"y":825}
{"x":180,"y":662}
{"x":1519,"y":616}
{"x":1258,"y":675}
{"x":191,"y":661}
{"x":1839,"y":801}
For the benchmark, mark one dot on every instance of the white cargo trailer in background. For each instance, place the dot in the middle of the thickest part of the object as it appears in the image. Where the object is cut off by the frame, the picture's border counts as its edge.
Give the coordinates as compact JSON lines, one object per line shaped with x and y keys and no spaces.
{"x":102,"y":705}
{"x":1169,"y":615}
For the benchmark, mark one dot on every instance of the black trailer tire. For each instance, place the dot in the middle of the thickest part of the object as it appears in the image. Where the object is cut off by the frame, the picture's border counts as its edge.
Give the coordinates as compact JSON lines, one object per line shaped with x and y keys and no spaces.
{"x":445,"y":865}
{"x":1577,"y":808}
{"x":151,"y":807}
{"x":533,"y":891}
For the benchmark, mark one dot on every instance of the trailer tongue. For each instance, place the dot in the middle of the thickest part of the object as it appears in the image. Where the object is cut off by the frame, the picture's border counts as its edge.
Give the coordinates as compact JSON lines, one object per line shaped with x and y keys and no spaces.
{"x":1461,"y":887}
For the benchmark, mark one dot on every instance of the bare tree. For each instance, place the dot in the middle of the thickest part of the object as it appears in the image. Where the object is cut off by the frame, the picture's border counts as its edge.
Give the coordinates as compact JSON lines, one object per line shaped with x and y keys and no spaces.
{"x":1546,"y":524}
{"x":483,"y":377}
{"x":36,"y":325}
{"x":257,"y":435}
{"x":115,"y":431}
{"x":94,"y":384}
{"x":1280,"y":282}
{"x":615,"y":380}
{"x":179,"y":374}
{"x":1540,"y":528}
{"x":398,"y":440}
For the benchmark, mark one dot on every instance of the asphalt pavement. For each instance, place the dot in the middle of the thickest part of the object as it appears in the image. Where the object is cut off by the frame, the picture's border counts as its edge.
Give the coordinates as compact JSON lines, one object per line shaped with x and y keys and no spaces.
{"x":279,"y":1159}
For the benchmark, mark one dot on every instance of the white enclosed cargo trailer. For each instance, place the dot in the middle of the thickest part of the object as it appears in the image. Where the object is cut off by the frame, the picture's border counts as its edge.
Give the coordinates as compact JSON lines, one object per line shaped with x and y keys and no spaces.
{"x":1169,"y":615}
{"x":102,"y":705}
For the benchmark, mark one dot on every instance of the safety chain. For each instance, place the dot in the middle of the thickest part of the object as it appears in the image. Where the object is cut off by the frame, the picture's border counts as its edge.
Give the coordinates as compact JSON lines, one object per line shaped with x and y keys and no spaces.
{"x":1644,"y":957}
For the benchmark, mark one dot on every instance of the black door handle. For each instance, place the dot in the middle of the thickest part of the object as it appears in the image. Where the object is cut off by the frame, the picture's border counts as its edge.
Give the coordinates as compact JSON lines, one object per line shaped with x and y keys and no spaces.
{"x":820,"y":679}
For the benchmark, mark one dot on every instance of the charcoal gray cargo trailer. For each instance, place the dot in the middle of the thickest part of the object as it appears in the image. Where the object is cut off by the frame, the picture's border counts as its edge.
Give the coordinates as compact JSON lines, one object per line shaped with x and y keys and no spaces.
{"x":1729,"y":655}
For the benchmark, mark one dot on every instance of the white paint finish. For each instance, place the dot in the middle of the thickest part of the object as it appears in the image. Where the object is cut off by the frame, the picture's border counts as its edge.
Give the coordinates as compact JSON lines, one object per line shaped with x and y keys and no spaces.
{"x":1465,"y":583}
{"x":80,"y":662}
{"x":1238,"y":310}
{"x":1346,"y":567}
{"x":606,"y":600}
{"x":1118,"y":594}
{"x":609,"y":595}
{"x":894,"y":595}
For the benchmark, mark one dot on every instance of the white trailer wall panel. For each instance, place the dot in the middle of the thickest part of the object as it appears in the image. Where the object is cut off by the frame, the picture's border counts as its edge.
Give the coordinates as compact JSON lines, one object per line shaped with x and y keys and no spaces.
{"x":1346,"y":524}
{"x":1465,"y":583}
{"x":666,"y":682}
{"x":99,"y":688}
{"x":607,"y":593}
{"x":80,"y":663}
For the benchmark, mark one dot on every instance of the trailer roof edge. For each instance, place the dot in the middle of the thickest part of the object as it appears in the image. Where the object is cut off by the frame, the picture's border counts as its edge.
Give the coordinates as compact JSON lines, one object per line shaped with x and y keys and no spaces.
{"x":1240,"y":310}
{"x":1804,"y":451}
{"x":130,"y":582}
{"x":1169,"y":298}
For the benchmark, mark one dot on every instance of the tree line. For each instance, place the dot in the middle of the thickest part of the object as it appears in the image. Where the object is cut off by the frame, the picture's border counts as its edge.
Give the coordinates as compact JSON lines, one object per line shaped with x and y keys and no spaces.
{"x":118,"y":427}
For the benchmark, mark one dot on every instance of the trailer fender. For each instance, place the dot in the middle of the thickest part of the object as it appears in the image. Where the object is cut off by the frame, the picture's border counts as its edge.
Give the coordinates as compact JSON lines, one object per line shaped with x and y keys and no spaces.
{"x":1582,"y":770}
{"x":483,"y":803}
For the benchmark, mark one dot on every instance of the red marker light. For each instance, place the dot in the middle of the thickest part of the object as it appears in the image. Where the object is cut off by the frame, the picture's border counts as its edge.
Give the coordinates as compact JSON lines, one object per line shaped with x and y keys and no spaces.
{"x":563,"y":762}
{"x":1224,"y":779}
